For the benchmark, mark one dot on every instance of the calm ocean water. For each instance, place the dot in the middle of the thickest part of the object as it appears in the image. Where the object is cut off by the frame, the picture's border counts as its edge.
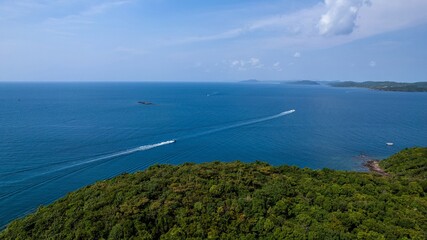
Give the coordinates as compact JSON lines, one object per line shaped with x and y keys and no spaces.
{"x":58,"y":137}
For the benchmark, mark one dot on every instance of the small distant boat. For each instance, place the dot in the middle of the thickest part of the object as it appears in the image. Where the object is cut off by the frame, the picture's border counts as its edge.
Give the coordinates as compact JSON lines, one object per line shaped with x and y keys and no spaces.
{"x":389,"y":144}
{"x":145,"y":103}
{"x":173,"y":141}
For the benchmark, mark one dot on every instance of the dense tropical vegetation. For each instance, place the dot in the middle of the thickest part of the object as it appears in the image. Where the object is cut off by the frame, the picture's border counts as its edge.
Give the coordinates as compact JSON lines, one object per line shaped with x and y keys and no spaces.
{"x":409,"y":162}
{"x":385,"y":86}
{"x":241,"y":201}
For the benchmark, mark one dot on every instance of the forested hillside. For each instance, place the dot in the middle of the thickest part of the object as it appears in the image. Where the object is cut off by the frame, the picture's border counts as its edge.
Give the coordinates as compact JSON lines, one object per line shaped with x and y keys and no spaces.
{"x":409,"y":162}
{"x":241,"y":201}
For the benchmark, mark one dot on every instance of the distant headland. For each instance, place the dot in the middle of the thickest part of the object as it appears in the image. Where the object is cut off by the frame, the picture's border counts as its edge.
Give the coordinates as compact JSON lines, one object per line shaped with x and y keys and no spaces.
{"x":381,"y":86}
{"x":385,"y":86}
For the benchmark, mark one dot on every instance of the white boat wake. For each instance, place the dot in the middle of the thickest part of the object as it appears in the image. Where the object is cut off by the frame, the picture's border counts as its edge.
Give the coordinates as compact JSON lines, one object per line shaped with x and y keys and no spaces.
{"x":118,"y":154}
{"x":77,"y":164}
{"x":122,"y":153}
{"x":241,"y":124}
{"x":101,"y":158}
{"x":151,"y":146}
{"x":126,"y":152}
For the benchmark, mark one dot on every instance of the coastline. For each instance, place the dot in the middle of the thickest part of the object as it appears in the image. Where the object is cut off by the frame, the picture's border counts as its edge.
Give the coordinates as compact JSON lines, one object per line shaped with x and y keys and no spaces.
{"x":374,"y":167}
{"x":258,"y":191}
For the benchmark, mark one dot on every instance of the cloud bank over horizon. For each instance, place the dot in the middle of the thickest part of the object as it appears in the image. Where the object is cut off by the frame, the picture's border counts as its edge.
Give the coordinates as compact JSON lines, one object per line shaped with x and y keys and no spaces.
{"x":129,"y":40}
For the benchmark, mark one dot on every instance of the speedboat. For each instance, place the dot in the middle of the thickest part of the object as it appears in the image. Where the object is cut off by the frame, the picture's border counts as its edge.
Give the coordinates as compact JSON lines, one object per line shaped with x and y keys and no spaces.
{"x":389,"y":144}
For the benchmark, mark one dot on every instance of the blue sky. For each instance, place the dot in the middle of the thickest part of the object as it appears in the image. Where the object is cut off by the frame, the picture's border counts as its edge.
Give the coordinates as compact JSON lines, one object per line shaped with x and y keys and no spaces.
{"x":221,"y":40}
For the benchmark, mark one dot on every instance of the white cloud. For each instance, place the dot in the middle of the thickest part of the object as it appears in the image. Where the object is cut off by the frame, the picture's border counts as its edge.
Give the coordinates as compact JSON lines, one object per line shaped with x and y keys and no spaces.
{"x":390,"y":15}
{"x":297,"y":55}
{"x":341,"y":16}
{"x":301,"y":22}
{"x":255,"y":62}
{"x":10,"y":9}
{"x":329,"y":23}
{"x":245,"y":64}
{"x":233,"y":33}
{"x":68,"y":24}
{"x":372,"y":63}
{"x":276,"y":66}
{"x":82,"y":16}
{"x":237,"y":63}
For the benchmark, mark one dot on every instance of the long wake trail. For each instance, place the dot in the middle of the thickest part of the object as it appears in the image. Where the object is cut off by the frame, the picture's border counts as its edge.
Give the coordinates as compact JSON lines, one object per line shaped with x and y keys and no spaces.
{"x":114,"y":155}
{"x":101,"y":158}
{"x":148,"y":147}
{"x":241,"y":124}
{"x":142,"y":148}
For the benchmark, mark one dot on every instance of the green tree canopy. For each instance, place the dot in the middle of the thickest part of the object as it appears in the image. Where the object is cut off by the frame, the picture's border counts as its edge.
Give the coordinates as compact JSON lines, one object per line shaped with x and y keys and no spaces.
{"x":241,"y":201}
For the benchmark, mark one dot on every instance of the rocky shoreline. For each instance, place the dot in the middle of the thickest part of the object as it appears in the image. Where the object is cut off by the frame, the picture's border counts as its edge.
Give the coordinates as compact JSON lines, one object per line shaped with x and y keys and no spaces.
{"x":374,"y":166}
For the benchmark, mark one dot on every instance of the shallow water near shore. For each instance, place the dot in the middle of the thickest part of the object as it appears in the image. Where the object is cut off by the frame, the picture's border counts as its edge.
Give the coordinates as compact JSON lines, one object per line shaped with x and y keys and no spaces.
{"x":58,"y":137}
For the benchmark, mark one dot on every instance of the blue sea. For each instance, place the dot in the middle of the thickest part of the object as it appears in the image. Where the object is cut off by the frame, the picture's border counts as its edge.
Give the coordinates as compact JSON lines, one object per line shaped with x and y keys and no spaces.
{"x":58,"y":137}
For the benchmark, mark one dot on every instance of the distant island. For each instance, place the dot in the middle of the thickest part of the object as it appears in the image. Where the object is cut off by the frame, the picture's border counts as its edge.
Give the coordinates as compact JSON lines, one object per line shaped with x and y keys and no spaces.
{"x":303,"y":82}
{"x":385,"y":86}
{"x":255,"y":81}
{"x":242,"y":201}
{"x":299,"y":82}
{"x":250,"y":81}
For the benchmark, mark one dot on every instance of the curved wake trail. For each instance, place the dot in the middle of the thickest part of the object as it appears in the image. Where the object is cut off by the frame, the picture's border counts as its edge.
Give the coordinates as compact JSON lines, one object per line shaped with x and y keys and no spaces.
{"x":240,"y":124}
{"x":114,"y":155}
{"x":105,"y":157}
{"x":134,"y":150}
